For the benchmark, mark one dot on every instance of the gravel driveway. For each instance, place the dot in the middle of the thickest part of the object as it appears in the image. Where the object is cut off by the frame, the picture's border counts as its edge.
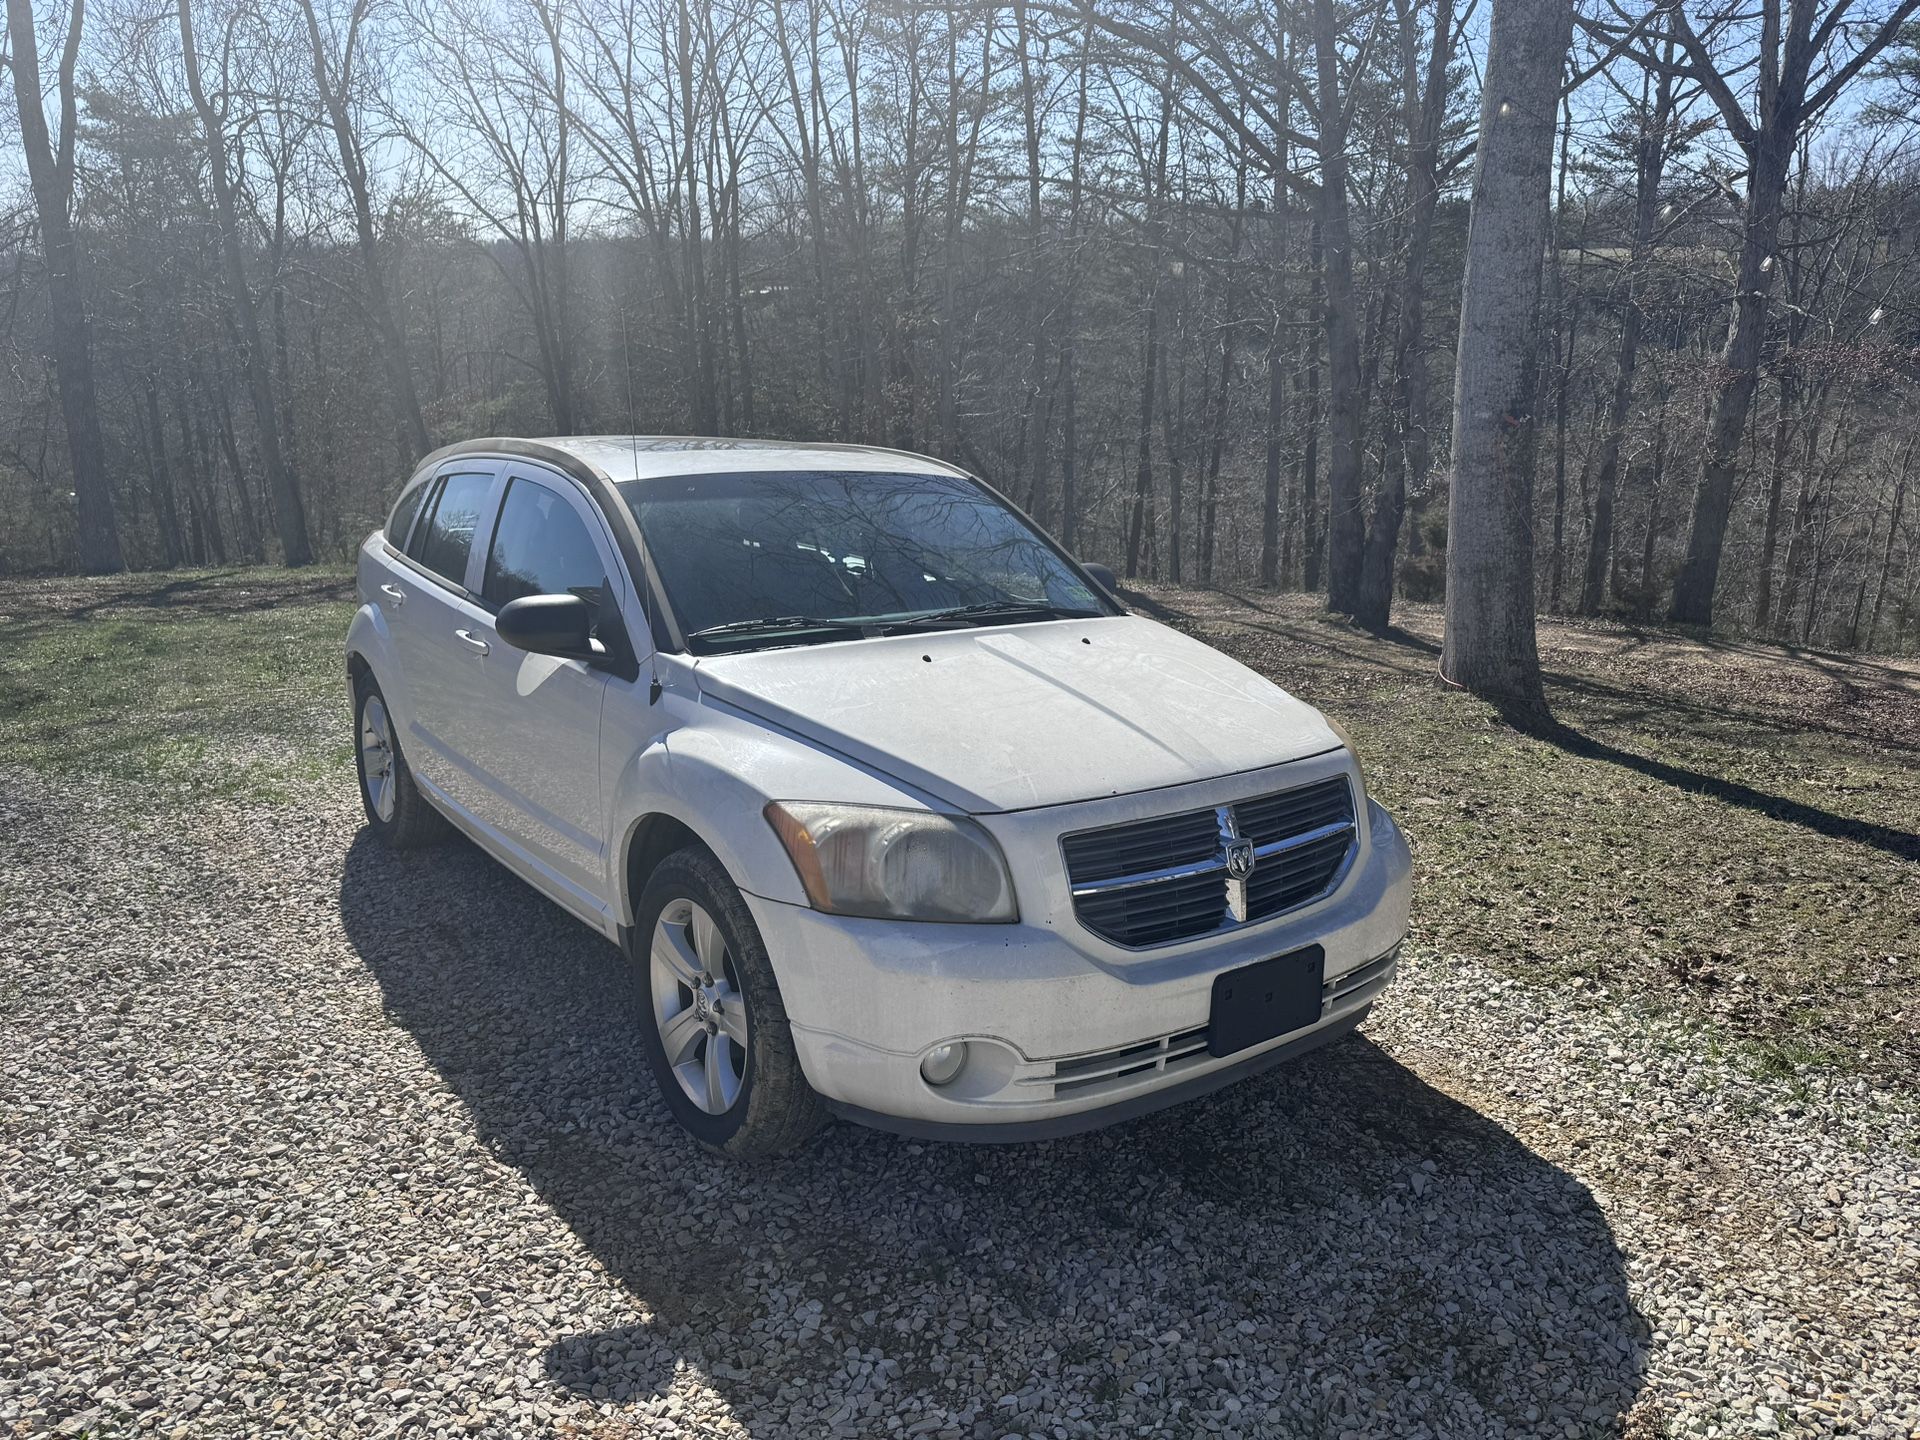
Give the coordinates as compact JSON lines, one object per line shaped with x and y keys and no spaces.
{"x":301,"y":1136}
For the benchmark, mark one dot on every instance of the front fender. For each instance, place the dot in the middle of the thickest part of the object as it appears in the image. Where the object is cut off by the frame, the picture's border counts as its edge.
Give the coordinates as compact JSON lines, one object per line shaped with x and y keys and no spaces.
{"x":714,"y":773}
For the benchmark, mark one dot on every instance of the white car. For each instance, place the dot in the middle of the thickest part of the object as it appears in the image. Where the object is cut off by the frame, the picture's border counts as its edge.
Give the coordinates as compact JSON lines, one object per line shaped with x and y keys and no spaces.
{"x":900,"y":815}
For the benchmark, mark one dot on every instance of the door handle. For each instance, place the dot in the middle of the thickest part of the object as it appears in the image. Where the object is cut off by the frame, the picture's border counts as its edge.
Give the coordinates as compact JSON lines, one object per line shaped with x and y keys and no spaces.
{"x":394,"y":593}
{"x":472,"y":639}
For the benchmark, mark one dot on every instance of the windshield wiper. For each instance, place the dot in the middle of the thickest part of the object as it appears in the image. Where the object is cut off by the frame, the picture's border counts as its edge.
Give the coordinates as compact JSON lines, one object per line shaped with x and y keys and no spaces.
{"x":956,"y":615}
{"x":994,"y":610}
{"x":773,"y":623}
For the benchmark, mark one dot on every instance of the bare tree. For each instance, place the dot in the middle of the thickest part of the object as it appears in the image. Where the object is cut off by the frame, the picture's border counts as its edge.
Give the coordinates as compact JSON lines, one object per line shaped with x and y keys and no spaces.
{"x":334,"y":67}
{"x":1651,"y":136}
{"x":1489,"y":641}
{"x":50,"y":167}
{"x":1805,"y":56}
{"x":500,"y":136}
{"x":289,"y":514}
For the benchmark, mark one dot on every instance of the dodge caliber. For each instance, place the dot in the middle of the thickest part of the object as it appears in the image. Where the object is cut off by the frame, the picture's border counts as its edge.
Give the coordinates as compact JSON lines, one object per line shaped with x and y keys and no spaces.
{"x":898,"y":813}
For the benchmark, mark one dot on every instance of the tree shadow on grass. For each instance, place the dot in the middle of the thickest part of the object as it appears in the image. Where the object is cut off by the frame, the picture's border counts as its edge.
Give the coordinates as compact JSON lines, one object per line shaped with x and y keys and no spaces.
{"x":1333,"y":1236}
{"x":1902,"y":844}
{"x":235,"y":589}
{"x":1659,"y":708}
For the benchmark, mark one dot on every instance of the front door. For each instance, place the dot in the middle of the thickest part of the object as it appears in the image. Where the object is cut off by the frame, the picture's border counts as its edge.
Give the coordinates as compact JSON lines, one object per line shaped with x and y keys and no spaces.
{"x":538,"y":754}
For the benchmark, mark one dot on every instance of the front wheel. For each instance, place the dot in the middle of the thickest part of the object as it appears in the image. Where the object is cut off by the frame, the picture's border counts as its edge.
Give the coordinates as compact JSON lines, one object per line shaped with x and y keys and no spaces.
{"x":715,"y":1028}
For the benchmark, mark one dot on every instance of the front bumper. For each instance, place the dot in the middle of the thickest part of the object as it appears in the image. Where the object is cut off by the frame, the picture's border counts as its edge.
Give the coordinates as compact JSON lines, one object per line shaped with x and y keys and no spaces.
{"x":1064,"y":1034}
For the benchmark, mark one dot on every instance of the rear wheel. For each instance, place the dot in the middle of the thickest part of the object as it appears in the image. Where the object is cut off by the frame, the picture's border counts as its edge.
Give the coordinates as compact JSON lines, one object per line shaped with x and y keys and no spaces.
{"x":396,"y":810}
{"x":716,"y":1030}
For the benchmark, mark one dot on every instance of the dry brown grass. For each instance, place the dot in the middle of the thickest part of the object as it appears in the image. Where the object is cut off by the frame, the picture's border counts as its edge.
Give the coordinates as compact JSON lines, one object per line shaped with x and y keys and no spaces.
{"x":1727,"y":830}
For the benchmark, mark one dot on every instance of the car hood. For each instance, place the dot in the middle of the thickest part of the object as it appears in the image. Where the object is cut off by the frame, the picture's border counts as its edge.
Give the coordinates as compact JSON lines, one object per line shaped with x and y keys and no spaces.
{"x":1016,"y":716}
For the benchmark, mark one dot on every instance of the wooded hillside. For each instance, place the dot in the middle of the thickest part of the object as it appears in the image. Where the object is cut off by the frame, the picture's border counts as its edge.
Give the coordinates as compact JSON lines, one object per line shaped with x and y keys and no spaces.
{"x":1182,"y":277}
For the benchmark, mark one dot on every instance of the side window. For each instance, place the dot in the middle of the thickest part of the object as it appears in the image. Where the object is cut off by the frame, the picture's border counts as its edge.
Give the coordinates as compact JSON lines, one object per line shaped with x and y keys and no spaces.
{"x":401,"y":521}
{"x":541,"y":547}
{"x":443,"y":543}
{"x":418,"y":540}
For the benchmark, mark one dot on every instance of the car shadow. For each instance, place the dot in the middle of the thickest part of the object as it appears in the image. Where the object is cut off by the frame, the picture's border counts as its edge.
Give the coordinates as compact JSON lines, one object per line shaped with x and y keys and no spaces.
{"x":1329,"y":1245}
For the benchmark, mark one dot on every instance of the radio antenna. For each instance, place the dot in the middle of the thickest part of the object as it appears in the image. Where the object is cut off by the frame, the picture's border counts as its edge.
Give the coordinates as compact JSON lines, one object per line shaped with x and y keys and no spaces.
{"x":644,"y":580}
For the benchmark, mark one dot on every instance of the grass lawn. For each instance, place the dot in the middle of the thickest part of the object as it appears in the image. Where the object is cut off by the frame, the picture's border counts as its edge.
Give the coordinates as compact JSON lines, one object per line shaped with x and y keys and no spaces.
{"x":1728,"y":831}
{"x":223,"y":682}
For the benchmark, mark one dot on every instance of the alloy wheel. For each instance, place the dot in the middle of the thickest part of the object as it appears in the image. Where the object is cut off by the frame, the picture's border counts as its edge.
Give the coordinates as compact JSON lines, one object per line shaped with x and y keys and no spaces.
{"x":699,"y":1010}
{"x":376,"y":757}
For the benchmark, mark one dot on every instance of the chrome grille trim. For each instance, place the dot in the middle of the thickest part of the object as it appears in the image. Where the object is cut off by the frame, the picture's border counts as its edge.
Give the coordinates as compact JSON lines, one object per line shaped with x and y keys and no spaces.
{"x":1190,"y":895}
{"x":1371,"y":976}
{"x":1124,"y":1062}
{"x":1150,"y":877}
{"x":1187,"y":1049}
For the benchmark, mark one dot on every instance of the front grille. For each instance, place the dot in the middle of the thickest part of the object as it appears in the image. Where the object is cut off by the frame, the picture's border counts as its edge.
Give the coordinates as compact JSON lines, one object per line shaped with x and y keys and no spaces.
{"x":1152,"y":882}
{"x":1145,"y":845}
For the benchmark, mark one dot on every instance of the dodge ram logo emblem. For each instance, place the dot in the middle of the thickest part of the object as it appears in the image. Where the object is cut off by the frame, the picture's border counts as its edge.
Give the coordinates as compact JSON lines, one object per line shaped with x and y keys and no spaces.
{"x":1240,"y":858}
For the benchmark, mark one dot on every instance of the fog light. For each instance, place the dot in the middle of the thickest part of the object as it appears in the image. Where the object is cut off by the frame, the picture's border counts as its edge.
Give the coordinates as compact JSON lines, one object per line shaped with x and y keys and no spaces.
{"x":942,"y":1064}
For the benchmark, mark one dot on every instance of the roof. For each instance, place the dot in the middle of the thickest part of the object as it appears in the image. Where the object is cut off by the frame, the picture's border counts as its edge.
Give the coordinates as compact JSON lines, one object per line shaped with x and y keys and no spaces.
{"x":645,"y":457}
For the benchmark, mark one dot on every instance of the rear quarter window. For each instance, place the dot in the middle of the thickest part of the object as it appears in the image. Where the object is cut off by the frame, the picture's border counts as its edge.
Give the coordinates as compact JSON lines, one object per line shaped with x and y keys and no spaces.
{"x":400,"y":522}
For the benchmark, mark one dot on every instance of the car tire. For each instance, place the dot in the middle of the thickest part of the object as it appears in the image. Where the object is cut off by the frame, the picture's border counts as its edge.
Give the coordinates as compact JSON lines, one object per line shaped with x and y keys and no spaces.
{"x":693,"y":933}
{"x":397,"y":813}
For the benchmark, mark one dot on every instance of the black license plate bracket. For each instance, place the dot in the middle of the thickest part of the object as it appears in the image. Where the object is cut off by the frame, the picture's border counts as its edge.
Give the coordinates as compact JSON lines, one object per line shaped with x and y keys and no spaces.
{"x":1264,"y":1000}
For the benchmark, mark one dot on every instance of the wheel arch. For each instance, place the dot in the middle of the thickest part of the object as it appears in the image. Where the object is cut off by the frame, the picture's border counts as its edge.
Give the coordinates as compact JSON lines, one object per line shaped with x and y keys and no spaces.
{"x":370,"y":654}
{"x":649,"y":840}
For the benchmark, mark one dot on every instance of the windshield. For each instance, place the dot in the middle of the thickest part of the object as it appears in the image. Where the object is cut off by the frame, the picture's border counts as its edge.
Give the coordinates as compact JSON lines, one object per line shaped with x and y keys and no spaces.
{"x":793,"y":557}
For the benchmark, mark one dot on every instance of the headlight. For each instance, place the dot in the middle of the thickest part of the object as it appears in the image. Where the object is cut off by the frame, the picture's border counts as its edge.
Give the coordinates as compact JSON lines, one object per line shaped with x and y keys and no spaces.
{"x":1352,"y":749}
{"x":894,"y":864}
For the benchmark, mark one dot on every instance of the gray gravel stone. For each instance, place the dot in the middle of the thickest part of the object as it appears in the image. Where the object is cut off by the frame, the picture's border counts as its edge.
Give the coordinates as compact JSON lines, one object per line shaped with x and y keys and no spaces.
{"x":302,"y":1137}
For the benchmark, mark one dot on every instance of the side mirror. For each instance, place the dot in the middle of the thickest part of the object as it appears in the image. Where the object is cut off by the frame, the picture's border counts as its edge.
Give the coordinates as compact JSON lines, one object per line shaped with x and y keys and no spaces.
{"x":1103,"y":576}
{"x":549,"y":625}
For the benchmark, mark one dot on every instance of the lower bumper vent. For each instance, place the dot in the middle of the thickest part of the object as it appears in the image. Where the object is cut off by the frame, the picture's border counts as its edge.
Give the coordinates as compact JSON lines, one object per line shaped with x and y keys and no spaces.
{"x":1185,"y":1050}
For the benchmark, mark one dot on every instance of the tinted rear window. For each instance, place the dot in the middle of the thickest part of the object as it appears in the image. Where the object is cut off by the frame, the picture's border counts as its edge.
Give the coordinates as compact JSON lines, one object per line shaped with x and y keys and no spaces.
{"x":401,"y":521}
{"x":448,"y":540}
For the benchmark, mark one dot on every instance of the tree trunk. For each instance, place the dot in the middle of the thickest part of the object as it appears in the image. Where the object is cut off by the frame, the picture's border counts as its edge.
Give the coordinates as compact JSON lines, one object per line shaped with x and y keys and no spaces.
{"x":1039,"y":409}
{"x":1776,"y":490}
{"x":1216,"y":444}
{"x":69,"y":339}
{"x":1408,"y":459}
{"x":289,"y":516}
{"x":1886,"y":558}
{"x":1309,"y":451}
{"x":1143,"y":446}
{"x":1270,"y":566}
{"x":1650,"y":169}
{"x":1069,"y":360}
{"x":386,"y":328}
{"x":1489,"y":642}
{"x":1656,"y":477}
{"x":1172,"y":422}
{"x":1739,"y":369}
{"x":1566,"y":329}
{"x":1345,"y":522}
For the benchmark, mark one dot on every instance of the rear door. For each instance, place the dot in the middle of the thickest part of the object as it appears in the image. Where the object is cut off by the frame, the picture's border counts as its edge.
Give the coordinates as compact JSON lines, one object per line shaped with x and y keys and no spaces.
{"x":438,"y":630}
{"x":537,"y":738}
